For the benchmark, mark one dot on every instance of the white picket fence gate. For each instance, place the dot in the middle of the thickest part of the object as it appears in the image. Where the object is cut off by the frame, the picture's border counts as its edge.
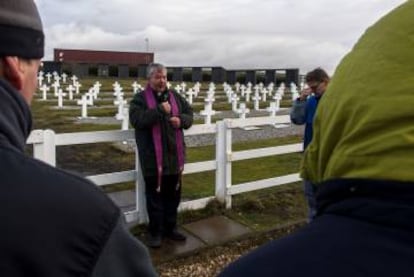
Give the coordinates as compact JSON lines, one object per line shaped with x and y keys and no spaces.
{"x":45,"y":143}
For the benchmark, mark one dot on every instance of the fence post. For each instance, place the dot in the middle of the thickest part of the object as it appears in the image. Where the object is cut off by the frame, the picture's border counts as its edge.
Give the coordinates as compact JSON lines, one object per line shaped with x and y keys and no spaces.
{"x":44,"y":147}
{"x":140,"y":191}
{"x":223,"y":162}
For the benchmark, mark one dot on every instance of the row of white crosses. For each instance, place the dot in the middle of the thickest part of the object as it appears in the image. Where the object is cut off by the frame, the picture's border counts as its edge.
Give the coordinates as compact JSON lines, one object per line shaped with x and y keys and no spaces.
{"x":44,"y":88}
{"x":48,"y":78}
{"x":234,"y":98}
{"x":88,"y":98}
{"x":193,"y":92}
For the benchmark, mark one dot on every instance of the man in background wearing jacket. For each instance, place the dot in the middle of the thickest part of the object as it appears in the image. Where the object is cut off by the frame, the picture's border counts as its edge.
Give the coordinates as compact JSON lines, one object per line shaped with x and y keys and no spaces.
{"x":303,"y":112}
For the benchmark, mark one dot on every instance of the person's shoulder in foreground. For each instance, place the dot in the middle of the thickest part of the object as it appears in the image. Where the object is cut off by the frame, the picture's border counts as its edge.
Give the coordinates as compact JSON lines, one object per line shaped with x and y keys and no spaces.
{"x":54,"y":223}
{"x":361,"y":159}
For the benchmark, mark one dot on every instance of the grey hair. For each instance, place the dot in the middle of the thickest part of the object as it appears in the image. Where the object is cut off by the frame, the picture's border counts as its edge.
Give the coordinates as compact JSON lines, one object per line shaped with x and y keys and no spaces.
{"x":155,"y":67}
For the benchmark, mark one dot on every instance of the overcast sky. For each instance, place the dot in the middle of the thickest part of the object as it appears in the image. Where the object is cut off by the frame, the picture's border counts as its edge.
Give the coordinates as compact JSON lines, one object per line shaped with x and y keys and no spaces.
{"x":235,"y":34}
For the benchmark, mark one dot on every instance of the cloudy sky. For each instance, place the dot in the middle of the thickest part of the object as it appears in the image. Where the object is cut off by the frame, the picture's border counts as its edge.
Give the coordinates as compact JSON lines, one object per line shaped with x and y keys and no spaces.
{"x":235,"y":34}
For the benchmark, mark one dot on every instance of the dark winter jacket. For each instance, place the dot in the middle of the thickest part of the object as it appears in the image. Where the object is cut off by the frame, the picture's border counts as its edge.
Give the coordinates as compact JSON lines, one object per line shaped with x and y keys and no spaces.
{"x":55,"y":223}
{"x":364,"y":228}
{"x":143,"y":119}
{"x":303,"y":112}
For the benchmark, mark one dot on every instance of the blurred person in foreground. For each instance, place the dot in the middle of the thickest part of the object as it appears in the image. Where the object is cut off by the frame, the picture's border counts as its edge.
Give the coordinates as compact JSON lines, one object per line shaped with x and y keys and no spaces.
{"x":53,"y":223}
{"x":303,"y":112}
{"x":361,"y":158}
{"x":159,"y":116}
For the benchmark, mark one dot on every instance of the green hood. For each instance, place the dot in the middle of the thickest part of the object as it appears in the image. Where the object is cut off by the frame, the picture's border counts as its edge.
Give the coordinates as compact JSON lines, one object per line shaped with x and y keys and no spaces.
{"x":364,"y":125}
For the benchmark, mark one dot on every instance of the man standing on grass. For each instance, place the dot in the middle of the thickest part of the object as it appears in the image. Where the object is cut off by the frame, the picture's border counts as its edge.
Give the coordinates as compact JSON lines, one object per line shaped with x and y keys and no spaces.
{"x":159,"y":116}
{"x":53,"y":223}
{"x":303,"y":112}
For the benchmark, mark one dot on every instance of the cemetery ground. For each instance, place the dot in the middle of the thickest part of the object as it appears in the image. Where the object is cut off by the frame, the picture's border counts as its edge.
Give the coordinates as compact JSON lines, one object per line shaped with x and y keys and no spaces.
{"x":269,"y":213}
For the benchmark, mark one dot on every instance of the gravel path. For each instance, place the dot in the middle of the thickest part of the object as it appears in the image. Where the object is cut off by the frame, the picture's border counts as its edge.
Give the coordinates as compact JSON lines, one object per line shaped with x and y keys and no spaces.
{"x":210,"y":262}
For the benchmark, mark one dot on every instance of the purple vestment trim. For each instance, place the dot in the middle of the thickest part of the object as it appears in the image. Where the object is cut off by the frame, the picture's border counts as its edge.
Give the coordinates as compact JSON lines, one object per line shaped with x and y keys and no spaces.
{"x":156,"y":134}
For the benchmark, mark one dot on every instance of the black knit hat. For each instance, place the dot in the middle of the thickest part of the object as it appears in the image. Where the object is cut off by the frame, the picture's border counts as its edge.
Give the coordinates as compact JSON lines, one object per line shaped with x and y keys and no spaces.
{"x":21,"y":31}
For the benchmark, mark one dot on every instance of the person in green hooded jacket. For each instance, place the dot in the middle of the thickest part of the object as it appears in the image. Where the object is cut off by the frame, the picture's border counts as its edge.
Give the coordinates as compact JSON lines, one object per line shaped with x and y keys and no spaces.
{"x":361,"y":158}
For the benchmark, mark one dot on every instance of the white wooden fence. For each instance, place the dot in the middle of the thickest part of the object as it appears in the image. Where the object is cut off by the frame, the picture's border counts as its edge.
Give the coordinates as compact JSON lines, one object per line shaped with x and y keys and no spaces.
{"x":45,"y":143}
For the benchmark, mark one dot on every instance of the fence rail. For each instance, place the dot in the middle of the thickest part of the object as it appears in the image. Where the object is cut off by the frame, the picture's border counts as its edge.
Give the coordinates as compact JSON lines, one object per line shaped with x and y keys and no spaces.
{"x":45,"y":142}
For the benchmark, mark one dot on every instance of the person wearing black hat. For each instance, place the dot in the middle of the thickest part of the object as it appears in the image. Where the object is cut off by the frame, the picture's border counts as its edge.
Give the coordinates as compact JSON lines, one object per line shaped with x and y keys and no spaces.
{"x":53,"y":223}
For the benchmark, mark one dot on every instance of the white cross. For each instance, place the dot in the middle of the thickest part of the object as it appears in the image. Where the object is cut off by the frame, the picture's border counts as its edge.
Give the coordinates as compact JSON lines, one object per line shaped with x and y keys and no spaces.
{"x":60,"y":98}
{"x":243,"y":110}
{"x":64,"y":76}
{"x":190,"y":94}
{"x":229,"y":95}
{"x":84,"y":102}
{"x":178,"y":88}
{"x":77,"y":85}
{"x":48,"y":76}
{"x":237,"y":85}
{"x":56,"y":87}
{"x":272,"y":109}
{"x":234,"y":101}
{"x":74,"y":79}
{"x":118,"y":92}
{"x":40,"y":79}
{"x":136,"y":87}
{"x":120,"y":103}
{"x":270,"y":88}
{"x":44,"y":88}
{"x":256,"y":89}
{"x":208,"y":110}
{"x":243,"y":90}
{"x":248,"y":92}
{"x":90,"y":95}
{"x":97,"y":86}
{"x":125,"y":120}
{"x":277,"y":99}
{"x":196,"y":88}
{"x":70,"y":89}
{"x":256,"y":98}
{"x":264,"y":93}
{"x":57,"y":78}
{"x":94,"y":92}
{"x":183,"y":86}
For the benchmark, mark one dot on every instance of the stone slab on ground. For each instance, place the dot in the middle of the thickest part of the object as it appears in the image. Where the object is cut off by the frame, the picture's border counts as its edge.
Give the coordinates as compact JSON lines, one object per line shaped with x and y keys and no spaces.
{"x":207,"y":232}
{"x":217,"y":229}
{"x":170,"y":249}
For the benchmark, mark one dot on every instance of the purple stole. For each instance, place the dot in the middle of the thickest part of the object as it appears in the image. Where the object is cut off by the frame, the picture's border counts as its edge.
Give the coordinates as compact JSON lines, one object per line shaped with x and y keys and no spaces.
{"x":156,"y":134}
